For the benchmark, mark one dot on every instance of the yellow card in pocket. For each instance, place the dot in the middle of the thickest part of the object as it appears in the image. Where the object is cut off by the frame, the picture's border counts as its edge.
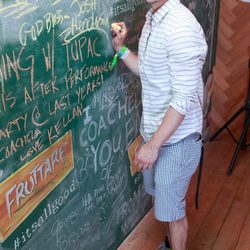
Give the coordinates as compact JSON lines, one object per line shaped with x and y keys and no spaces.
{"x":131,"y":153}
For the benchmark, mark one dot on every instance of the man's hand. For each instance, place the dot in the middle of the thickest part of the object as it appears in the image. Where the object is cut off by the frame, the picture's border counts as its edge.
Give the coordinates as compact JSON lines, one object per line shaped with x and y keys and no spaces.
{"x":146,"y":156}
{"x":119,"y":36}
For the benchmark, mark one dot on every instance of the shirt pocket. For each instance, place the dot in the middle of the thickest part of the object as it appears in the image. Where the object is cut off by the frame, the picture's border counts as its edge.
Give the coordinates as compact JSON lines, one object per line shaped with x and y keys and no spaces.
{"x":156,"y":56}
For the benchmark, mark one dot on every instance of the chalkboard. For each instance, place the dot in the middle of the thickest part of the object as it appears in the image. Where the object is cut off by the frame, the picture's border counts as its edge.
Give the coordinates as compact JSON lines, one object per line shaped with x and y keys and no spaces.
{"x":66,"y":123}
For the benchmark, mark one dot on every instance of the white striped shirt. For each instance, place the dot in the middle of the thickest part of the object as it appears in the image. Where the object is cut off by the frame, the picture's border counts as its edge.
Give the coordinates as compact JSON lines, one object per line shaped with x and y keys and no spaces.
{"x":172,"y":51}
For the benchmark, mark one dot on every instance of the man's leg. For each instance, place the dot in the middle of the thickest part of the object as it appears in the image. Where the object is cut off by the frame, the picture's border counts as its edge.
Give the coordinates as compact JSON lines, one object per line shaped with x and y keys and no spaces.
{"x":173,"y":170}
{"x":178,"y":232}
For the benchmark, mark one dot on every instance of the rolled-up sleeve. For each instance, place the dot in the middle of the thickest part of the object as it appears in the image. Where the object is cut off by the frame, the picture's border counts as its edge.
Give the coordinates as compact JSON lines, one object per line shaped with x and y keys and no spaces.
{"x":187,"y":50}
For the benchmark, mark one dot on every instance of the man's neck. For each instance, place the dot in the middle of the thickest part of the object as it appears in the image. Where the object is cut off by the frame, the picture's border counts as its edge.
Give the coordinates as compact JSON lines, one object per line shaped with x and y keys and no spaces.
{"x":156,"y":6}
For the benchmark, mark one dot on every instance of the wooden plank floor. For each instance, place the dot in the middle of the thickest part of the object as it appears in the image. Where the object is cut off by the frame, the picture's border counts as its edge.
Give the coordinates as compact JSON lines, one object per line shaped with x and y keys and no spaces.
{"x":222,"y":221}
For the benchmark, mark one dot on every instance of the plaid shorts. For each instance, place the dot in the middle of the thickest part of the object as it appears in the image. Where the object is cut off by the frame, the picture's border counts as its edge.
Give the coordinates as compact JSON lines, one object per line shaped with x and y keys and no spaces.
{"x":170,"y":176}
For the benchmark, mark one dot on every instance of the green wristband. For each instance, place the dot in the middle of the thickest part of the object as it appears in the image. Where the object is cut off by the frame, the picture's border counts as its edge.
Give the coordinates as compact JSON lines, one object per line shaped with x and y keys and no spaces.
{"x":122,"y":51}
{"x":119,"y":54}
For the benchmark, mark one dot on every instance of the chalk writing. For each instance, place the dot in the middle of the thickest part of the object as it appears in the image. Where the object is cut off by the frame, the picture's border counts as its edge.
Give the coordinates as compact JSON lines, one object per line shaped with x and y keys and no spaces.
{"x":78,"y":27}
{"x":55,"y":76}
{"x":48,"y":211}
{"x":130,"y":5}
{"x":39,"y":173}
{"x":23,"y":188}
{"x":84,"y":6}
{"x":17,"y":9}
{"x":80,"y":47}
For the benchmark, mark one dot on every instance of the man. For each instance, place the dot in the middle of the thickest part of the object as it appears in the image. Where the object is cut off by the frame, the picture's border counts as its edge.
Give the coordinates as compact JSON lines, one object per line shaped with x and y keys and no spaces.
{"x":172,"y":51}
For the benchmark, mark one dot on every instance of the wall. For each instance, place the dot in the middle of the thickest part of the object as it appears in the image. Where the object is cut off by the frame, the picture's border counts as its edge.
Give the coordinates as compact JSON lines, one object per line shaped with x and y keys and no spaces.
{"x":231,"y":74}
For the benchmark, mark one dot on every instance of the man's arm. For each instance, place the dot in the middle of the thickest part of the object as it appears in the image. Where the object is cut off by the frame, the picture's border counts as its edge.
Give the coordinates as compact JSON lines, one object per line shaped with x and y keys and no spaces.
{"x":148,"y":153}
{"x":131,"y":61}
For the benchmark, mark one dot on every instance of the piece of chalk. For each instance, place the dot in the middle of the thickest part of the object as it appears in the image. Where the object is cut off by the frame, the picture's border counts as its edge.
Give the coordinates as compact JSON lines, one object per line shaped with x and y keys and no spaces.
{"x":116,"y":26}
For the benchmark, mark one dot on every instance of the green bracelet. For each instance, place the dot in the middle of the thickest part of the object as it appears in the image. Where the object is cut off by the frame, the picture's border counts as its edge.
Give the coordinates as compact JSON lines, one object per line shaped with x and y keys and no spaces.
{"x":114,"y":62}
{"x":122,"y":51}
{"x":118,"y":54}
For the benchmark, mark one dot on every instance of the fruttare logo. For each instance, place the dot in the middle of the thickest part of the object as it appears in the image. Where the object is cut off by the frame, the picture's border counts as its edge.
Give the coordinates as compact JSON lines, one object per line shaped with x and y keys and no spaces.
{"x":23,"y":191}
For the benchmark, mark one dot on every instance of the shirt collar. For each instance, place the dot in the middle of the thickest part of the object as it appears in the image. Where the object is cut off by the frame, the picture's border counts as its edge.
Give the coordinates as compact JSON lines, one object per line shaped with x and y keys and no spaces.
{"x":160,"y":13}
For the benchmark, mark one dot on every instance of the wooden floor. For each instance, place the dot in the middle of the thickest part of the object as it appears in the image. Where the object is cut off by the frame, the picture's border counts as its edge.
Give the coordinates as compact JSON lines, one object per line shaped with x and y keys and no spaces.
{"x":222,"y":221}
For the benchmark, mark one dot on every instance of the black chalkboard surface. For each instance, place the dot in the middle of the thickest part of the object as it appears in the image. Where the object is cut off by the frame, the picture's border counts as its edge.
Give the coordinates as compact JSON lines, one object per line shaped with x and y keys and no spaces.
{"x":66,"y":122}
